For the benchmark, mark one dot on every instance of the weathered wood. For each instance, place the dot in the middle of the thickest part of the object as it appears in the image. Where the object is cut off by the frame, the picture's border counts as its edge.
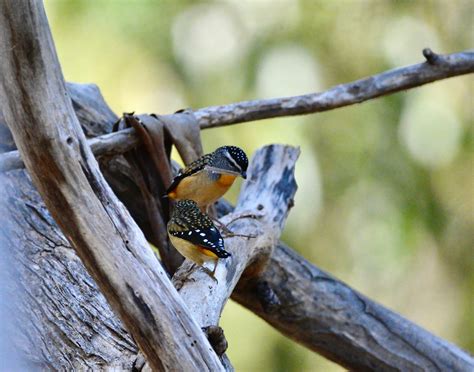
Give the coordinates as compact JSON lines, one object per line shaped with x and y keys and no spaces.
{"x":63,"y":168}
{"x":57,"y":300}
{"x":312,"y":322}
{"x":61,"y":319}
{"x":437,"y":67}
{"x":317,"y":327}
{"x":311,"y":307}
{"x":327,"y":316}
{"x":267,"y":196}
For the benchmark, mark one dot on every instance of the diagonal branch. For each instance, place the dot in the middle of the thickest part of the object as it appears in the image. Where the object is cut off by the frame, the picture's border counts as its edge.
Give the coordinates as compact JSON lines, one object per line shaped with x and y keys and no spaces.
{"x":437,"y":67}
{"x":41,"y":118}
{"x":329,"y":317}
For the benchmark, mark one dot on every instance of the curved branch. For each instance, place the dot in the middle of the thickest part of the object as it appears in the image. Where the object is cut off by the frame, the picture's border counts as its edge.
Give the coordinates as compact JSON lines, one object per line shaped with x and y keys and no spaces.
{"x":437,"y":67}
{"x":41,"y":118}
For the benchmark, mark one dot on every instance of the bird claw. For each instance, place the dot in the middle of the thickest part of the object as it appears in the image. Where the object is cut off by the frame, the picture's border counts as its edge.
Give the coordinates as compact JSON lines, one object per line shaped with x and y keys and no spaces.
{"x":230,"y":234}
{"x":244,"y":215}
{"x":210,"y":273}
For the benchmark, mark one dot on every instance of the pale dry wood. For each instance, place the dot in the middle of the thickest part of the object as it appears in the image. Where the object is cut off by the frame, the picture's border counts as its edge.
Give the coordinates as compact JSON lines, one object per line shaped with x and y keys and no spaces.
{"x":437,"y":67}
{"x":298,"y":284}
{"x":45,"y":129}
{"x":265,"y":200}
{"x":62,"y":321}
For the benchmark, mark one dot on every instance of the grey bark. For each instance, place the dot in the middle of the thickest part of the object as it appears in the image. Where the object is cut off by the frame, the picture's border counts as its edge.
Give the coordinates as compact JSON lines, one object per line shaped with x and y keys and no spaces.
{"x":63,"y":168}
{"x":327,"y":316}
{"x":435,"y":68}
{"x":61,"y":319}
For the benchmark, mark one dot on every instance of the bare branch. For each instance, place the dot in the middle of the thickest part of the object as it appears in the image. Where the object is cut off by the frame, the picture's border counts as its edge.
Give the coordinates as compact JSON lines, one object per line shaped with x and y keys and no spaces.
{"x":437,"y":67}
{"x":329,"y":317}
{"x":40,"y":116}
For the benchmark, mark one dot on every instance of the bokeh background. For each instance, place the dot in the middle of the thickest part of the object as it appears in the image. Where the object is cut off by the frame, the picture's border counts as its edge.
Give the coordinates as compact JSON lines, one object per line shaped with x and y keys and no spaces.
{"x":386,"y":188}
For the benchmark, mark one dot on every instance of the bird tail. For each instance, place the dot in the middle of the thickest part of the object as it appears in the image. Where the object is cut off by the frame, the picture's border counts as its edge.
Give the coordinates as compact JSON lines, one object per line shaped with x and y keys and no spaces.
{"x":222,"y":253}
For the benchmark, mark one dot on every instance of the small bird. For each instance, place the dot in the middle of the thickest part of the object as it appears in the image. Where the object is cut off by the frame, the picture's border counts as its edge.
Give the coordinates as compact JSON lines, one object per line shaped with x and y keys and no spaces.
{"x":208,"y":178}
{"x":194,"y":235}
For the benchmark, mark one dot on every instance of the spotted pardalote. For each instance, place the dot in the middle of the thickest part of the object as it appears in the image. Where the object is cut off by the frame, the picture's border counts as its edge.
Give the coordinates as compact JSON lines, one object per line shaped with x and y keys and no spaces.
{"x":209,"y":177}
{"x":194,"y":234}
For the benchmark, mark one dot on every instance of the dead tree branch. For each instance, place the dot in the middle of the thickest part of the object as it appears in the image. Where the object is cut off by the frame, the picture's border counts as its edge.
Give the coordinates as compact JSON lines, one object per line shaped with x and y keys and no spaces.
{"x":327,"y":316}
{"x":292,"y":295}
{"x":40,"y":116}
{"x":437,"y":67}
{"x":264,"y":202}
{"x":392,"y":81}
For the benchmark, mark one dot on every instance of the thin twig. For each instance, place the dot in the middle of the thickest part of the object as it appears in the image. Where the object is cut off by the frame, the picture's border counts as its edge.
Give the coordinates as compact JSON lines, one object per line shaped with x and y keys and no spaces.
{"x":436,"y":67}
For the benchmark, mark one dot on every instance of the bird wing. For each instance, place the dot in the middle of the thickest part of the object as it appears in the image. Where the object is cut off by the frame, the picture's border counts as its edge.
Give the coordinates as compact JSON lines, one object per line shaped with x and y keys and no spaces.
{"x":189,"y":170}
{"x":206,"y":235}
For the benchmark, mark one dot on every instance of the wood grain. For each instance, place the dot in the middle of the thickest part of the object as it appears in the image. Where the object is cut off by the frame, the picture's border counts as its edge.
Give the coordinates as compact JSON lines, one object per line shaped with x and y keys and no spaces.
{"x":41,"y":118}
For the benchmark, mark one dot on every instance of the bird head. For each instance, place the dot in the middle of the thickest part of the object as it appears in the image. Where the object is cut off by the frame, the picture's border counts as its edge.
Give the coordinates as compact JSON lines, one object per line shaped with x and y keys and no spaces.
{"x":230,"y":159}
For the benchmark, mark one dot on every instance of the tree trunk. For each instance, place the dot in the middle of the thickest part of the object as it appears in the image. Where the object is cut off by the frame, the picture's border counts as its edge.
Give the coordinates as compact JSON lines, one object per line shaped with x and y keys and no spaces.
{"x":62,"y":320}
{"x":62,"y":166}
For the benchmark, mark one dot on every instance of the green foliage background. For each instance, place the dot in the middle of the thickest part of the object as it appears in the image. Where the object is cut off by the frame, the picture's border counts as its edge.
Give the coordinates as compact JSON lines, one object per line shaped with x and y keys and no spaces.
{"x":385,"y":198}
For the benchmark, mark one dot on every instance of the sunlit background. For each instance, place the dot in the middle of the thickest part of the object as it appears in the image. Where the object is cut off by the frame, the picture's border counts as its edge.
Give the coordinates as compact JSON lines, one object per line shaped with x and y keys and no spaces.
{"x":386,"y":188}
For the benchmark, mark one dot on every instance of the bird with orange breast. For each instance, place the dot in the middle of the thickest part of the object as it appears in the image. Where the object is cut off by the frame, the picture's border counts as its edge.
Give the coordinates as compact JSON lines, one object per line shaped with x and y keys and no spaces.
{"x":195,"y":236}
{"x":208,"y":178}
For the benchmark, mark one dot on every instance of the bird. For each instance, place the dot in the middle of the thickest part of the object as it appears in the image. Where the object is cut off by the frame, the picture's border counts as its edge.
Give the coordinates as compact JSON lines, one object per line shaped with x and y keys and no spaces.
{"x":208,"y":178}
{"x":194,"y":235}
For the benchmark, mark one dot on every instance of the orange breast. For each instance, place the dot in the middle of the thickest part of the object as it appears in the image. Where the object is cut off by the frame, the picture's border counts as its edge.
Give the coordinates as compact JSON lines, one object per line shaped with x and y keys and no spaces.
{"x":201,"y":188}
{"x":226,"y":179}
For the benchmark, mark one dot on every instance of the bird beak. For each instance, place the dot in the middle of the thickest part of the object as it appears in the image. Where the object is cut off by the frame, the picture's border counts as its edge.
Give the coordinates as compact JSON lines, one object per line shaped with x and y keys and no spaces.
{"x":244,"y":175}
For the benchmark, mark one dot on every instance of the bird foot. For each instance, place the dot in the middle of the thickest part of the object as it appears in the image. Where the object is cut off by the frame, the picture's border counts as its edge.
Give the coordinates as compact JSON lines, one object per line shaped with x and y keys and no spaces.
{"x":210,"y":273}
{"x":230,"y":234}
{"x":181,"y":277}
{"x":242,"y":216}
